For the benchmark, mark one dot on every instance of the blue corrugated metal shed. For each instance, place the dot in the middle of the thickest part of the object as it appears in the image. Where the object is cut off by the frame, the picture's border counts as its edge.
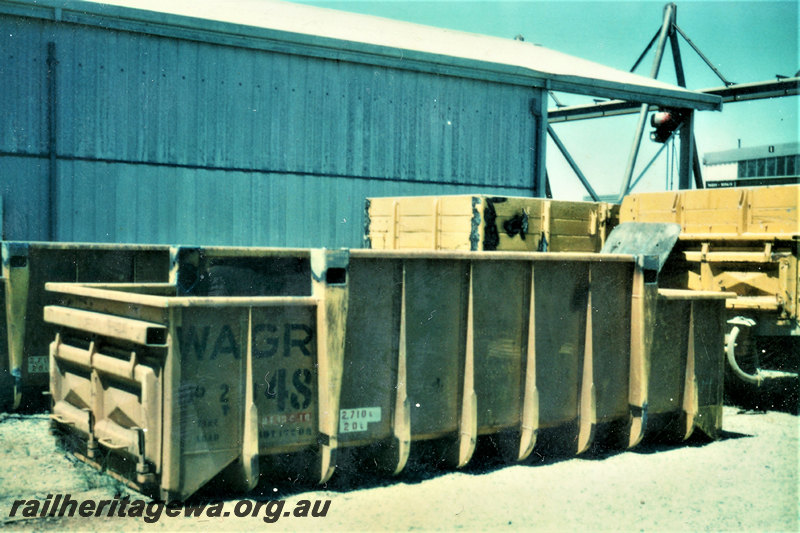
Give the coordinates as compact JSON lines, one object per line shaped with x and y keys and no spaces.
{"x":263,"y":123}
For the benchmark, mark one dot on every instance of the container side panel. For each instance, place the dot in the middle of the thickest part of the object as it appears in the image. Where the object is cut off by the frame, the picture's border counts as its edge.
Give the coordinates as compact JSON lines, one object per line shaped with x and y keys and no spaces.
{"x":213,"y":346}
{"x":436,"y":293}
{"x":611,"y":297}
{"x":284,"y":378}
{"x":370,"y":376}
{"x":775,"y":210}
{"x":501,"y":316}
{"x":651,"y":207}
{"x":709,"y":342}
{"x":227,"y":274}
{"x":668,"y":356}
{"x":6,"y":381}
{"x":561,"y":290}
{"x":43,"y":265}
{"x":734,"y":211}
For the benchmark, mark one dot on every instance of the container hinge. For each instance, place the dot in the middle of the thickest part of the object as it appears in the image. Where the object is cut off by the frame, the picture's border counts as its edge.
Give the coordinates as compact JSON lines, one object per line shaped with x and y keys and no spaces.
{"x":91,"y":443}
{"x":143,"y":469}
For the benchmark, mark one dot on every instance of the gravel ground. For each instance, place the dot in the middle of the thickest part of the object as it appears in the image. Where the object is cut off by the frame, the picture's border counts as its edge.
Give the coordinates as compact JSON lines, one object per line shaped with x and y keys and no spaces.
{"x":748,"y":480}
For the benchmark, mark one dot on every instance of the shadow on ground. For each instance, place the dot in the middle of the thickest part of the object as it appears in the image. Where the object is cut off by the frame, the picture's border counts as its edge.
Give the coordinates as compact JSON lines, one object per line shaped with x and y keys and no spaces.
{"x":429,"y":460}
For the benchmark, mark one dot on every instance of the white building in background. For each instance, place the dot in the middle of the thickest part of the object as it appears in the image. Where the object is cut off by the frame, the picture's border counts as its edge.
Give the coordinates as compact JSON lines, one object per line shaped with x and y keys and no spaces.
{"x":772,"y":164}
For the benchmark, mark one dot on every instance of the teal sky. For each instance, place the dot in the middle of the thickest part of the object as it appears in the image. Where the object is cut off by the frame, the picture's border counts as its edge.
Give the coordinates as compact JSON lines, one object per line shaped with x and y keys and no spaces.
{"x":748,"y":41}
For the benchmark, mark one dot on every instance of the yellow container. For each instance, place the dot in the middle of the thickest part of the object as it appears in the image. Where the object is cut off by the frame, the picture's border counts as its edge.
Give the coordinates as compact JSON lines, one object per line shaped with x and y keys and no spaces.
{"x":686,"y":364}
{"x":481,"y":222}
{"x":172,"y":390}
{"x":742,"y":211}
{"x":27,"y":266}
{"x":481,"y":344}
{"x":744,"y":241}
{"x":6,"y":379}
{"x":363,"y":351}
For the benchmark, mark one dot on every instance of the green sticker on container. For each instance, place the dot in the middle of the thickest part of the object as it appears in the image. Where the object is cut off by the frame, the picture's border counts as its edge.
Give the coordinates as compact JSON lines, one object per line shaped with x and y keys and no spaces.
{"x":355,"y":420}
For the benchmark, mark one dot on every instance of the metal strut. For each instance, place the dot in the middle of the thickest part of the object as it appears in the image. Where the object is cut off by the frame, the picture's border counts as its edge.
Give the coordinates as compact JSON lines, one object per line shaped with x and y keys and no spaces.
{"x":681,"y":79}
{"x":690,"y":160}
{"x":573,"y":164}
{"x":646,"y":49}
{"x":703,"y":57}
{"x":666,"y":29}
{"x":689,"y":155}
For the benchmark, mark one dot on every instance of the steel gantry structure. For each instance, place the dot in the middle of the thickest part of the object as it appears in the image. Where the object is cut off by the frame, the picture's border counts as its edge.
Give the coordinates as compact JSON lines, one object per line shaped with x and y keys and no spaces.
{"x":669,"y":31}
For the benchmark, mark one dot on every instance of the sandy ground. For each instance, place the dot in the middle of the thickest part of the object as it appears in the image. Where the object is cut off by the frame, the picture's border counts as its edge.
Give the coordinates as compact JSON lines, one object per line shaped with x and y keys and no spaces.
{"x":748,"y":480}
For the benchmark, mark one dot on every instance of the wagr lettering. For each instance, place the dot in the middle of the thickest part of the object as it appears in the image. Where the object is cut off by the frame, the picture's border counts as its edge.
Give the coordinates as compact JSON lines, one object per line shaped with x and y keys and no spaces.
{"x":266,"y":343}
{"x":267,"y":340}
{"x":196,"y":339}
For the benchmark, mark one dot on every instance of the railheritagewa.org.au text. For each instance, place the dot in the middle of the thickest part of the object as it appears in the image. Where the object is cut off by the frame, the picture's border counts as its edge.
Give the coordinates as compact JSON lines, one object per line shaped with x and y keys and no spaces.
{"x":64,"y":505}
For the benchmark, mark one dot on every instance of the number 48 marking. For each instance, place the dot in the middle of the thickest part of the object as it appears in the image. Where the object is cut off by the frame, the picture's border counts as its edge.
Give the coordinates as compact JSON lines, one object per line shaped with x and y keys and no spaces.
{"x":278,"y":389}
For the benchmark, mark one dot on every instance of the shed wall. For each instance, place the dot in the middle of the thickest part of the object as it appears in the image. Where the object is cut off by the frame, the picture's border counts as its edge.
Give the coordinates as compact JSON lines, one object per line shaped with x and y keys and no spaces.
{"x":175,"y":141}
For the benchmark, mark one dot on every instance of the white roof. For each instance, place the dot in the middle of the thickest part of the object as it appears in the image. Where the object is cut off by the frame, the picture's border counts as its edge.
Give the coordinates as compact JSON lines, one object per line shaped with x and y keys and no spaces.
{"x":379,"y":37}
{"x":751,"y":152}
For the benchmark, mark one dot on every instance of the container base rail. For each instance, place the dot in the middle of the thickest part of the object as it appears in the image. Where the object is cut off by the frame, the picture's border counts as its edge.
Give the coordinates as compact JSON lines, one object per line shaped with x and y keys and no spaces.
{"x":366,"y":355}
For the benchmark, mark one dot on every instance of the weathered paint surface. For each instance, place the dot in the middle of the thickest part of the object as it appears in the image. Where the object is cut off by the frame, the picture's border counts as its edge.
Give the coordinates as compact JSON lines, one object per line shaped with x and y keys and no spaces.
{"x":167,"y":140}
{"x":440,"y":355}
